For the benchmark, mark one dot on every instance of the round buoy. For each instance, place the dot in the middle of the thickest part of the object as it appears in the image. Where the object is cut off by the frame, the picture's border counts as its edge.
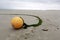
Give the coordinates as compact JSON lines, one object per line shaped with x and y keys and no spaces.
{"x":17,"y":22}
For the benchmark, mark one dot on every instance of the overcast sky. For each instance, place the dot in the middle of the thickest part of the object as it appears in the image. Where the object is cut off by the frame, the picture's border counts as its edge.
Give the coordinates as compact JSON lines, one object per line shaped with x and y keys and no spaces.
{"x":30,"y":4}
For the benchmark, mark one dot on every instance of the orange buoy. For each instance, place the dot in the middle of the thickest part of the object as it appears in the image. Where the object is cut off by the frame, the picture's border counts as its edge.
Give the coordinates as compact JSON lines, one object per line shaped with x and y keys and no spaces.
{"x":17,"y":22}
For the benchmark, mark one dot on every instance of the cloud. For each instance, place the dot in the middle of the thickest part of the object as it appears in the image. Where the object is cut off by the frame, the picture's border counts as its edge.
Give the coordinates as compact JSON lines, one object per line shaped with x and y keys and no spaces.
{"x":29,"y":4}
{"x":41,"y":1}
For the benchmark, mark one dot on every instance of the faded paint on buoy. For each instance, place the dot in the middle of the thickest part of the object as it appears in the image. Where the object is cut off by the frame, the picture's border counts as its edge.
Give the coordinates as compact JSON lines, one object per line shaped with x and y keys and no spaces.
{"x":17,"y":22}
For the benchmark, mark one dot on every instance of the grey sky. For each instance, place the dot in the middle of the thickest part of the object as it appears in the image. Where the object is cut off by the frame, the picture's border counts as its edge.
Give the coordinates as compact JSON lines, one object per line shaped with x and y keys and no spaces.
{"x":30,"y":4}
{"x":42,"y":1}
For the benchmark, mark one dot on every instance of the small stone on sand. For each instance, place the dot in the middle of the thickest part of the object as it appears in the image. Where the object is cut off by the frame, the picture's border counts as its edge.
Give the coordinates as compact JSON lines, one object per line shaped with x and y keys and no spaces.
{"x":45,"y":29}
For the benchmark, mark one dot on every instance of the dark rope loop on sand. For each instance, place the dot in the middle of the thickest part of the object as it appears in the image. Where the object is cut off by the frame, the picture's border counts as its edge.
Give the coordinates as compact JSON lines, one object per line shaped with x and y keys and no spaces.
{"x":26,"y":25}
{"x":34,"y":25}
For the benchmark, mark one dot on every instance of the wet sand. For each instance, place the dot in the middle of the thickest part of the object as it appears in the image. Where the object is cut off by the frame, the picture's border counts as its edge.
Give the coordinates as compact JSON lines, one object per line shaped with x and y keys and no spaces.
{"x":51,"y":21}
